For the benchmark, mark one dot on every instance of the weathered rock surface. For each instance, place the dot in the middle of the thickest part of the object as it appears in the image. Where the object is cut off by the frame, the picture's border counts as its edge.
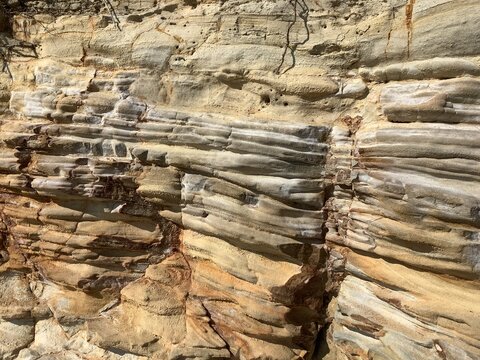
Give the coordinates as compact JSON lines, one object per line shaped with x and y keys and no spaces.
{"x":248,"y":180}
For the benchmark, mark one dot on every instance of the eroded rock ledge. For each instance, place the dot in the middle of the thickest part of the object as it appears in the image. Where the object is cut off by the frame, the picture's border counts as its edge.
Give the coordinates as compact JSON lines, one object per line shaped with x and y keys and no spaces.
{"x":169,"y":189}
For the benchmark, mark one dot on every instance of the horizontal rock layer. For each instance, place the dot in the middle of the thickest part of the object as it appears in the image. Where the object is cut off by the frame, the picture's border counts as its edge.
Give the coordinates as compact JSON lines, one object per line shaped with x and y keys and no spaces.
{"x":404,"y":230}
{"x":236,"y":179}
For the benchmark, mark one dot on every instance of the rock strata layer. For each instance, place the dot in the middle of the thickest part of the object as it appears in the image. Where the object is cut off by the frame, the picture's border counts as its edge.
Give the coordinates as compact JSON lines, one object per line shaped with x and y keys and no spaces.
{"x":240,"y":180}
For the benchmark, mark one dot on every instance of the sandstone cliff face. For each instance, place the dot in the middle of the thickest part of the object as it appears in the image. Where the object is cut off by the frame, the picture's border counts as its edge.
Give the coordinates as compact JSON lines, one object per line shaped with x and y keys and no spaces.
{"x":240,"y":179}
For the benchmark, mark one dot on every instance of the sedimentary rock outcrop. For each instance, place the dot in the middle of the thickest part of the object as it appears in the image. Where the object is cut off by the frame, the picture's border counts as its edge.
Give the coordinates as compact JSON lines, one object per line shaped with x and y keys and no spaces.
{"x":238,"y":179}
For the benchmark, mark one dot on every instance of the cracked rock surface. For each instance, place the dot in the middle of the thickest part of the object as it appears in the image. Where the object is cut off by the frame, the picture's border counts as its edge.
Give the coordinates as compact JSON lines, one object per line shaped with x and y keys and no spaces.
{"x":240,"y":179}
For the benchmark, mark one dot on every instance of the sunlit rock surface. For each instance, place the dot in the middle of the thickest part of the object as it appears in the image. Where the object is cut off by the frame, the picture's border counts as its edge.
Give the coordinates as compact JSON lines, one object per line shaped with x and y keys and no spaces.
{"x":240,"y":180}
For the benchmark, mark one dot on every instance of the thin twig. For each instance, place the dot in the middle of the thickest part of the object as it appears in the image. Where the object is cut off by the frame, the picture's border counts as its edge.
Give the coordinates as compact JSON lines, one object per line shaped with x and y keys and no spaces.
{"x":303,"y":15}
{"x":5,"y":54}
{"x":287,"y":45}
{"x":113,"y":14}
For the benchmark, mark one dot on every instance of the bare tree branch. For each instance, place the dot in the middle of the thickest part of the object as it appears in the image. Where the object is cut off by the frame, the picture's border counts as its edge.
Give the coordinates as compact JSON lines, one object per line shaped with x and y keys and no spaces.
{"x":5,"y":67}
{"x":113,"y":14}
{"x":17,"y":48}
{"x":300,"y":10}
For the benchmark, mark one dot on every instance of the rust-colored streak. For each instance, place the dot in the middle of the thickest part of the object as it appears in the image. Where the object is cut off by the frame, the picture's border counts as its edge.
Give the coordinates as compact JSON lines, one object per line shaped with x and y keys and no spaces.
{"x":409,"y":23}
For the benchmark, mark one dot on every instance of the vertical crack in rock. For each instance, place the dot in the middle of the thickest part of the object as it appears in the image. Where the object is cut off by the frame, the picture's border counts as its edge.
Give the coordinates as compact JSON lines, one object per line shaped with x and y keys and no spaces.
{"x":409,"y":24}
{"x":337,"y":206}
{"x":213,"y":326}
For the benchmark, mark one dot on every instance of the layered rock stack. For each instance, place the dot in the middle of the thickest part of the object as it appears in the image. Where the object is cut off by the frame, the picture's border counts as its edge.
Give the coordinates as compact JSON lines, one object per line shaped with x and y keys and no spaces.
{"x":240,"y":179}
